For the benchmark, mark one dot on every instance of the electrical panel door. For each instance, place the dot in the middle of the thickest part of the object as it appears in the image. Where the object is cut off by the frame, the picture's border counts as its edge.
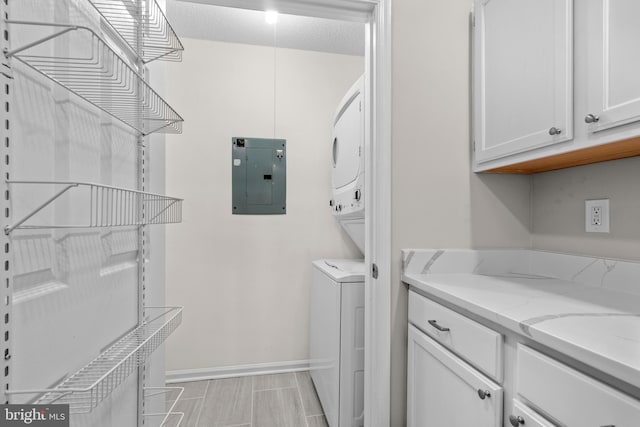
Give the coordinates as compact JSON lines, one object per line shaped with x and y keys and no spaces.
{"x":259,"y":176}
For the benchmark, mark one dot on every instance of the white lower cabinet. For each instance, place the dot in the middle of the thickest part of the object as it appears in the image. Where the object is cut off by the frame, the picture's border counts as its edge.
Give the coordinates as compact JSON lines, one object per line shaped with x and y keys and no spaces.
{"x":443,"y":390}
{"x":446,"y":385}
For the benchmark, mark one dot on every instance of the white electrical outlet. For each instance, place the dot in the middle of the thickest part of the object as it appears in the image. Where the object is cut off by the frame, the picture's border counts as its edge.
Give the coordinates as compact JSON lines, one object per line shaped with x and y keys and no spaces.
{"x":596,"y":216}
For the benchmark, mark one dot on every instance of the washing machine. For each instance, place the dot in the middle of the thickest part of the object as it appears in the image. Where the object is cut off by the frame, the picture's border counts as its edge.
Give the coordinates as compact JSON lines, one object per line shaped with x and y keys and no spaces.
{"x":348,"y":157}
{"x":336,"y":344}
{"x":337,"y":292}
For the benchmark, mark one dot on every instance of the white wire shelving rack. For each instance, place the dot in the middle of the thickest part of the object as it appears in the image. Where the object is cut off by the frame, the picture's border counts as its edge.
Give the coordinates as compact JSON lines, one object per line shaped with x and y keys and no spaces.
{"x":103,"y":65}
{"x":104,"y":206}
{"x":84,"y":390}
{"x":97,"y":74}
{"x":159,"y":40}
{"x":166,"y":398}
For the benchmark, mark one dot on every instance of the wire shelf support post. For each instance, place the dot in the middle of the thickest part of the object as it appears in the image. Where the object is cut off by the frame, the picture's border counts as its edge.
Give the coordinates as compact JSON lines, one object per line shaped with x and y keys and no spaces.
{"x":6,"y":275}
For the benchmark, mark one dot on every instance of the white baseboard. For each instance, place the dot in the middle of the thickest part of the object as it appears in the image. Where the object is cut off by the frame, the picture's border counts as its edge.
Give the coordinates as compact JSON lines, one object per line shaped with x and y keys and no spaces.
{"x":183,"y":375}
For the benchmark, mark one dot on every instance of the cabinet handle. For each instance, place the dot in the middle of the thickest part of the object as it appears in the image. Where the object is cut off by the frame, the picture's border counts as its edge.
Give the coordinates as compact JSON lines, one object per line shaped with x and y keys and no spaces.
{"x":555,"y":131}
{"x":483,"y":393}
{"x":434,"y":323}
{"x":516,"y":421}
{"x":591,"y":118}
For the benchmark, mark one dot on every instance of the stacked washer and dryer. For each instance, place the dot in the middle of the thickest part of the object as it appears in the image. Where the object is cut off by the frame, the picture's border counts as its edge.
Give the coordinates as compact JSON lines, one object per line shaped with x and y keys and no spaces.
{"x":337,"y":290}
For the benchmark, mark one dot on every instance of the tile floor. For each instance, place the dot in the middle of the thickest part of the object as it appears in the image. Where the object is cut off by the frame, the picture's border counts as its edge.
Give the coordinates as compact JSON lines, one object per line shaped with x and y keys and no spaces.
{"x":279,"y":400}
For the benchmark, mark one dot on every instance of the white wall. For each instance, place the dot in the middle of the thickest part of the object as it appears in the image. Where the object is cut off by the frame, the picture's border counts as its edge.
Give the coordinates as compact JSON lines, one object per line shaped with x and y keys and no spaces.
{"x":437,"y":200}
{"x":244,"y":279}
{"x":558,"y":209}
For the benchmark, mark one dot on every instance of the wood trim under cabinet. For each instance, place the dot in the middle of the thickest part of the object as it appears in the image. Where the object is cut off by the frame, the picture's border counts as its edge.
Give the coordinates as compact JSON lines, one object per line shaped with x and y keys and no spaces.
{"x":601,"y":153}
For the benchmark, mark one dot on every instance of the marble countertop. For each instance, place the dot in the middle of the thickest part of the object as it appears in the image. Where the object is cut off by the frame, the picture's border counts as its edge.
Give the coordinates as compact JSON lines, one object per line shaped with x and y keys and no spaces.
{"x":590,"y":320}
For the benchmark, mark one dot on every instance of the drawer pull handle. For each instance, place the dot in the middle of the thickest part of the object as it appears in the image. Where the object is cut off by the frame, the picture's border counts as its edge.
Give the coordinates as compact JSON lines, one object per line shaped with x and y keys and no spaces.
{"x":516,"y":421}
{"x":483,"y":393}
{"x":434,"y":323}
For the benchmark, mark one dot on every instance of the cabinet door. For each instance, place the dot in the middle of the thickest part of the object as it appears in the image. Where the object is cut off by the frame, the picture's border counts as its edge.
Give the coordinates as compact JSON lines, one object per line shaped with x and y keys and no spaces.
{"x":445,"y":391}
{"x":614,"y":63}
{"x":523,"y":75}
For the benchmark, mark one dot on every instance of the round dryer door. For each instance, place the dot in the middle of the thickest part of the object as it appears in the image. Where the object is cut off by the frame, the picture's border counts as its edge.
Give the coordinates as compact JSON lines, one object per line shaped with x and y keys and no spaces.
{"x":347,"y":142}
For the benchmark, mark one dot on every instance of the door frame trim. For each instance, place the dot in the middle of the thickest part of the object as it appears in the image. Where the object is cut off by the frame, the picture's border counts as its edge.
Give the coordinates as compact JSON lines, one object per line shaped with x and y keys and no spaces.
{"x":376,"y":14}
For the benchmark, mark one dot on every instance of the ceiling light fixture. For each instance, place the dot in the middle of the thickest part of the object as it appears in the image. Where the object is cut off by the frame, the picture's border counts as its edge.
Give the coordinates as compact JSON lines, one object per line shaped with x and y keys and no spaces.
{"x":271,"y":16}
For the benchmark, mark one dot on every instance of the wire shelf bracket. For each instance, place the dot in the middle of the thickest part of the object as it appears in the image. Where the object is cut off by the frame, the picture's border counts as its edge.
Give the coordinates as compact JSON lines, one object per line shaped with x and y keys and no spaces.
{"x":99,"y":76}
{"x":87,"y":388}
{"x":159,"y":40}
{"x":106,"y":206}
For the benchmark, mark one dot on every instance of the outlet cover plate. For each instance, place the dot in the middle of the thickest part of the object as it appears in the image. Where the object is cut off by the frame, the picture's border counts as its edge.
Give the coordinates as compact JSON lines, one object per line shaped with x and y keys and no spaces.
{"x":596,"y":216}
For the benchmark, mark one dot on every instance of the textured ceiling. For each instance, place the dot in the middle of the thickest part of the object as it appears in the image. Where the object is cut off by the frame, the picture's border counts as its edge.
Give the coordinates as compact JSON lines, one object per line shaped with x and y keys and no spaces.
{"x":202,"y":21}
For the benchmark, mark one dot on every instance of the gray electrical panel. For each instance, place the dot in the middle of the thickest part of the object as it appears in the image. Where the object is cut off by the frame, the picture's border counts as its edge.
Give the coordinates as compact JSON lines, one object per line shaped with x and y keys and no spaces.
{"x":259,"y":176}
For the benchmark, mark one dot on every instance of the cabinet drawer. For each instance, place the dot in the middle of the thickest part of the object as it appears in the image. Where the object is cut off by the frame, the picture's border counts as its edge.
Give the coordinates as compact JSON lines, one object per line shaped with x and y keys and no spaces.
{"x":521,"y":415}
{"x":472,"y":341}
{"x":570,"y":397}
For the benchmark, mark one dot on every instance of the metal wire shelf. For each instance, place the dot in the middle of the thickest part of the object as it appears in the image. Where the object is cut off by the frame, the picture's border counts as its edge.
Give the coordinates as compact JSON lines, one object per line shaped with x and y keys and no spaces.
{"x":97,"y":74}
{"x":106,"y":206}
{"x":84,"y":390}
{"x":159,"y":40}
{"x":168,"y":396}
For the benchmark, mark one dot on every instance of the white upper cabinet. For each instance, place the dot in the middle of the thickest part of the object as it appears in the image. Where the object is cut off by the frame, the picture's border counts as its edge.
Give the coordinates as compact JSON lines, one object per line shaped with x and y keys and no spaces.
{"x":523,"y":79}
{"x":555,"y":83}
{"x":614,"y":63}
